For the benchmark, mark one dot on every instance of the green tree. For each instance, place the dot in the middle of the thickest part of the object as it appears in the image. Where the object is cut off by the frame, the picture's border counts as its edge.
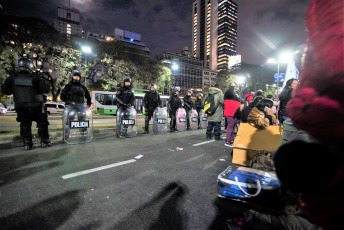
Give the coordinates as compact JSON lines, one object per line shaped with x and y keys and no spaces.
{"x":224,"y":78}
{"x":9,"y":62}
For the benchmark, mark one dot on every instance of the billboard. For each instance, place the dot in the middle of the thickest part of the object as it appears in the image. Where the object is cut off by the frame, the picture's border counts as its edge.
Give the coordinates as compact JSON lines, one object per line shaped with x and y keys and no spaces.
{"x":234,"y":60}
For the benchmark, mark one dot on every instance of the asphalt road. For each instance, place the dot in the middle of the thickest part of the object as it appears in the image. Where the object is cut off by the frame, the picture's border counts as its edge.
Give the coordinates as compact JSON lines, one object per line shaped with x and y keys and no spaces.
{"x":8,"y":122}
{"x":161,"y":189}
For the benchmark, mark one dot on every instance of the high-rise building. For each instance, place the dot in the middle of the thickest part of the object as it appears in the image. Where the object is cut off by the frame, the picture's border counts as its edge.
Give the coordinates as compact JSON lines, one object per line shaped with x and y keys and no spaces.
{"x":68,"y":22}
{"x":186,"y":70}
{"x":214,"y":32}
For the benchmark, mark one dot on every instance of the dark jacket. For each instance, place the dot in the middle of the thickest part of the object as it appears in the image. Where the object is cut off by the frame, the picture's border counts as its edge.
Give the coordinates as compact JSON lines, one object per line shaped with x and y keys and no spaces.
{"x":174,"y":102}
{"x":244,"y":113}
{"x":151,"y":100}
{"x":188,"y":103}
{"x":126,"y":96}
{"x":199,"y":104}
{"x":72,"y":92}
{"x":284,"y":97}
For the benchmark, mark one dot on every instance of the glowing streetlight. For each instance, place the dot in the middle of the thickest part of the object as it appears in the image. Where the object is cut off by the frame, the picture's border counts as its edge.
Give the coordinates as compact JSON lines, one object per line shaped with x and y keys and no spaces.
{"x":241,"y":80}
{"x":284,"y":58}
{"x":175,"y":67}
{"x":86,"y":50}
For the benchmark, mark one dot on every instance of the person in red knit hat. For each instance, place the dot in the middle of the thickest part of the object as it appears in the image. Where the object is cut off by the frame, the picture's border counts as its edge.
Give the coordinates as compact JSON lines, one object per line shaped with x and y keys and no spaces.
{"x":316,"y":170}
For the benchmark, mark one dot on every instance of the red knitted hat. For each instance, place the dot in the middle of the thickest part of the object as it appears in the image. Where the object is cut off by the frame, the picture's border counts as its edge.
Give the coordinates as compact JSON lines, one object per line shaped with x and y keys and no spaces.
{"x":317,"y":105}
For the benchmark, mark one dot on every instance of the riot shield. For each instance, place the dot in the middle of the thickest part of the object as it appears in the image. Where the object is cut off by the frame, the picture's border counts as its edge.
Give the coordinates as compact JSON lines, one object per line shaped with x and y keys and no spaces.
{"x":193,"y":119}
{"x":181,"y":119}
{"x":77,"y":124}
{"x":203,"y":119}
{"x":160,"y":119}
{"x":126,"y":125}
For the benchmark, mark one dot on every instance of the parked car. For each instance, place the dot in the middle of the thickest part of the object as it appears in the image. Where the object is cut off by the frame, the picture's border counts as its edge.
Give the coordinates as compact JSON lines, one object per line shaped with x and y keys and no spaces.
{"x":3,"y":110}
{"x":54,"y":107}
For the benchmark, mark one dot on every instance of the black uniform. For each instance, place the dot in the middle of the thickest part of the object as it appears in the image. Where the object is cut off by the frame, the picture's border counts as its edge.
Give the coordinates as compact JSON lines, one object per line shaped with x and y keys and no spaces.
{"x":75,"y":92}
{"x":174,"y":103}
{"x":126,"y":97}
{"x":151,"y":100}
{"x":199,"y":106}
{"x":188,"y":106}
{"x":27,"y":89}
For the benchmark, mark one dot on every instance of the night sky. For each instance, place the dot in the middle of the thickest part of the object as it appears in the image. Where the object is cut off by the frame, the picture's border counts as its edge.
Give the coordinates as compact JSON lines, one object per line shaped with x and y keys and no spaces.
{"x":265,"y":27}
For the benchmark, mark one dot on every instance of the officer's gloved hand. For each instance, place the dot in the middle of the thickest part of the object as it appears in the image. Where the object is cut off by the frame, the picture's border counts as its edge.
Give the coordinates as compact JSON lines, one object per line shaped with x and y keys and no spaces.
{"x":128,"y":105}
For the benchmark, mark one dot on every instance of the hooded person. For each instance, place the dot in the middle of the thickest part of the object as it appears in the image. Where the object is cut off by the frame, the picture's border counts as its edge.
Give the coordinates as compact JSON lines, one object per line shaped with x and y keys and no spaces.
{"x":151,"y":101}
{"x":74,"y":92}
{"x":174,"y":103}
{"x":232,"y":103}
{"x":214,"y":120}
{"x":262,"y":115}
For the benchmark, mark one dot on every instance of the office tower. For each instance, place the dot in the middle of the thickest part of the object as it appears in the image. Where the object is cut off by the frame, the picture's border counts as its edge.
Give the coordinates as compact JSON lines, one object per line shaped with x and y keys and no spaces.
{"x":68,"y":22}
{"x":214,"y":32}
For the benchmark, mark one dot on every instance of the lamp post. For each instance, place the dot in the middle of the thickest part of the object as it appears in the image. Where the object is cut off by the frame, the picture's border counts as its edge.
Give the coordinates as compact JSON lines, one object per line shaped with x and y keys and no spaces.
{"x":284,"y":58}
{"x":86,"y":50}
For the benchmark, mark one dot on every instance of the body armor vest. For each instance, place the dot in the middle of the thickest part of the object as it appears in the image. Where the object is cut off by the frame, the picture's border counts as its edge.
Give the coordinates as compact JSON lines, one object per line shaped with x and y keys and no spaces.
{"x":77,"y":93}
{"x":152,"y":100}
{"x":25,"y":91}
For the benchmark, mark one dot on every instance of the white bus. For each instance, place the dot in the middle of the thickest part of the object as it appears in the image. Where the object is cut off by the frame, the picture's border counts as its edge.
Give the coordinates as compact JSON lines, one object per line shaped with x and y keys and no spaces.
{"x":103,"y":102}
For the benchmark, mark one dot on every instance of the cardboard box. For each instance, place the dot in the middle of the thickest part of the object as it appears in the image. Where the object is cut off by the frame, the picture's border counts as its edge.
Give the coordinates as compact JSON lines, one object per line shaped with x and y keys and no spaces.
{"x":250,"y":140}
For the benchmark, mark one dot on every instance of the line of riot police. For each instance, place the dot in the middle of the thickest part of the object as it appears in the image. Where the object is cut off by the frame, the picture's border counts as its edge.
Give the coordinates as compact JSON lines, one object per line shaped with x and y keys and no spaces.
{"x":28,"y":89}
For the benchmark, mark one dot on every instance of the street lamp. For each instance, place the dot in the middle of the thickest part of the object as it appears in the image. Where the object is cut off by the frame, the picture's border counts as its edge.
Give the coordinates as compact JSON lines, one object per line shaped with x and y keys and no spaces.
{"x":86,"y":50}
{"x":284,"y":58}
{"x":241,"y":80}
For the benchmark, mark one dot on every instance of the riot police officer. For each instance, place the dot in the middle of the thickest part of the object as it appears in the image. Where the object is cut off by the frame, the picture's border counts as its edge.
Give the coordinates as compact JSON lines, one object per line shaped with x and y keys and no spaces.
{"x":188,"y":106}
{"x":125,"y":97}
{"x":199,"y":106}
{"x":75,"y":92}
{"x":151,"y":100}
{"x":173,"y":104}
{"x":27,"y":89}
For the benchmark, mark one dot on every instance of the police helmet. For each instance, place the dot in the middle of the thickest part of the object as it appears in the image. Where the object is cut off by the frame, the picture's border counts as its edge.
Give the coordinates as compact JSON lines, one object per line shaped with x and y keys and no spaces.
{"x":189,"y":91}
{"x":199,"y":94}
{"x":25,"y":64}
{"x":76,"y":72}
{"x":152,"y":85}
{"x":177,"y":88}
{"x":127,"y":79}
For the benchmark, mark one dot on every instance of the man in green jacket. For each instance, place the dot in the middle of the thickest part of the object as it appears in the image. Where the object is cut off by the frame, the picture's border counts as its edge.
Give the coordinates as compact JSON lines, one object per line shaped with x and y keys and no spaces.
{"x":214,"y":121}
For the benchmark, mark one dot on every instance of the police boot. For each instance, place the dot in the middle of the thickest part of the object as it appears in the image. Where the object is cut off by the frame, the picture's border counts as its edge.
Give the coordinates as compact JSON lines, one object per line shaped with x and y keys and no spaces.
{"x":146,"y":125}
{"x":44,"y":134}
{"x":25,"y":133}
{"x":173,"y":124}
{"x":27,"y":143}
{"x":188,"y":124}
